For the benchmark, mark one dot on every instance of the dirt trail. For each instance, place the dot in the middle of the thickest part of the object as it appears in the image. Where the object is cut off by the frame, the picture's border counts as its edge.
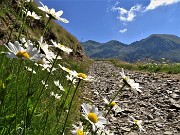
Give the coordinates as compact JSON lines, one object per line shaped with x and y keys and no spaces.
{"x":158,"y":106}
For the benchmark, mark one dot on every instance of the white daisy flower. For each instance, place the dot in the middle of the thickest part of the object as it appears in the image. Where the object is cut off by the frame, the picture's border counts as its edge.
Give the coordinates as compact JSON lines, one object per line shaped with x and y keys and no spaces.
{"x":28,"y":0}
{"x":59,"y":85}
{"x":136,"y":122}
{"x":43,"y":82}
{"x":104,"y":132}
{"x":64,"y":68}
{"x":30,"y":70}
{"x":71,"y":78}
{"x":45,"y":48}
{"x":112,"y":104}
{"x":78,"y":130}
{"x":27,"y":43}
{"x":53,"y":69}
{"x":130,"y":82}
{"x":32,"y":14}
{"x":45,"y":65}
{"x":23,"y":40}
{"x":42,"y":62}
{"x":92,"y":114}
{"x":17,"y":51}
{"x":74,"y":82}
{"x":73,"y":74}
{"x":55,"y":95}
{"x":84,"y":77}
{"x":61,"y":47}
{"x":52,"y":13}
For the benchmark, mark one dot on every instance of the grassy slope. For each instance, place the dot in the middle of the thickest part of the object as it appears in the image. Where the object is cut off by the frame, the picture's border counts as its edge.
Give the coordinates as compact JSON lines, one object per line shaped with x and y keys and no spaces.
{"x":8,"y":13}
{"x":46,"y":113}
{"x":171,"y":68}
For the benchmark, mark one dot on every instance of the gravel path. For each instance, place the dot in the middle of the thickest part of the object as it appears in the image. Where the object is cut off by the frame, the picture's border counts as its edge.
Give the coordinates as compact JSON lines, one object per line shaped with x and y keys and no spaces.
{"x":158,"y":106}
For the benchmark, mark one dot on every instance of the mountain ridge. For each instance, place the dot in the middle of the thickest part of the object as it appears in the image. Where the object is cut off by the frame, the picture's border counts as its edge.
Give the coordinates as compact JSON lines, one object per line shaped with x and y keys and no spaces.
{"x":155,"y":47}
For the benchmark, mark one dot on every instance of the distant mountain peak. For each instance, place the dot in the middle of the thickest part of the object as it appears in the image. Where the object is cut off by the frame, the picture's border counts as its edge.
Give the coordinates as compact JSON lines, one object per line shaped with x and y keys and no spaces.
{"x":92,"y":42}
{"x":163,"y":35}
{"x":154,"y":47}
{"x":169,"y":37}
{"x":114,"y":42}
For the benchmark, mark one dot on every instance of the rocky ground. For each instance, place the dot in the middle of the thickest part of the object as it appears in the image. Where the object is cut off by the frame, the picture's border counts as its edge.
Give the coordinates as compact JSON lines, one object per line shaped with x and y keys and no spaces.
{"x":158,"y":106}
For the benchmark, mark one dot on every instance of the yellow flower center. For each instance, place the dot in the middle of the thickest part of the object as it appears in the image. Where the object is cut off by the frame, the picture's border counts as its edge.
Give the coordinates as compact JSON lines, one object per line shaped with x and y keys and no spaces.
{"x":93,"y":117}
{"x":80,"y":132}
{"x":113,"y":104}
{"x":136,"y":121}
{"x":67,"y":69}
{"x":40,"y":62}
{"x":22,"y":54}
{"x":84,"y":76}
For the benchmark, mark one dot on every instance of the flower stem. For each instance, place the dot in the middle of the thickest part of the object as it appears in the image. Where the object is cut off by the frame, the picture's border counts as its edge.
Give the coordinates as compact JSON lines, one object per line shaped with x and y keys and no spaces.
{"x":41,"y":92}
{"x":22,"y":25}
{"x":26,"y":103}
{"x":108,"y":112}
{"x":47,"y":115}
{"x":62,"y":105}
{"x":16,"y":95}
{"x":44,"y":30}
{"x":69,"y":109}
{"x":115,"y":95}
{"x":23,"y":20}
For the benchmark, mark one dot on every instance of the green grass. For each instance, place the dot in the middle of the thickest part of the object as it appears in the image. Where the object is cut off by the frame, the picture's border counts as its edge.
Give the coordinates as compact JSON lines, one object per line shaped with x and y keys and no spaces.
{"x":24,"y":102}
{"x":48,"y":109}
{"x":171,"y":68}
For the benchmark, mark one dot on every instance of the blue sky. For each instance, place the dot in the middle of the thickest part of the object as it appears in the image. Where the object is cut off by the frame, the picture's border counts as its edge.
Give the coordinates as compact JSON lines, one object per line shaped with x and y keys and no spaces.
{"x":123,"y":20}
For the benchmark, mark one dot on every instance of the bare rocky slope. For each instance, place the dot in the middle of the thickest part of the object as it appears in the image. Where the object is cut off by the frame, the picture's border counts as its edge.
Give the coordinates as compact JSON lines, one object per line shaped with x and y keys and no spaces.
{"x":158,"y":106}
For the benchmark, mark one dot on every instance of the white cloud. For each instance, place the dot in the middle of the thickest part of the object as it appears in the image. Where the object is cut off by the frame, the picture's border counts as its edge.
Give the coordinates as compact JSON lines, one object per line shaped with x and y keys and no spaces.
{"x":125,"y":15}
{"x":156,"y":3}
{"x":129,"y":15}
{"x":123,"y":30}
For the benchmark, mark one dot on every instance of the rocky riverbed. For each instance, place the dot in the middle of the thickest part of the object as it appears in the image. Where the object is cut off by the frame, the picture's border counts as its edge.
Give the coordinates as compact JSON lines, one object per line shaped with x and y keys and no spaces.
{"x":158,"y":106}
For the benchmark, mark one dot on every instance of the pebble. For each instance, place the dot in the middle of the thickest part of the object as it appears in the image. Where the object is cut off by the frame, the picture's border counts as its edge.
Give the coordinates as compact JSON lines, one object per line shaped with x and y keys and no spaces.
{"x":159,"y":125}
{"x":125,"y":129}
{"x":168,"y":133}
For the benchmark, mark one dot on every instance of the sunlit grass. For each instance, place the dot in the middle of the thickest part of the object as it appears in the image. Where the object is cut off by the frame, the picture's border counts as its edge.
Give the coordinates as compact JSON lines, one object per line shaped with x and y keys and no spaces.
{"x":26,"y":104}
{"x":171,"y":68}
{"x":48,"y":108}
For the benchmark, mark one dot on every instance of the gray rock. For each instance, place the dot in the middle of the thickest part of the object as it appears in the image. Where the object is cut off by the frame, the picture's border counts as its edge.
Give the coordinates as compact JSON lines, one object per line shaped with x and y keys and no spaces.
{"x":159,"y":125}
{"x":175,"y":106}
{"x":132,"y":133}
{"x":175,"y":96}
{"x":167,"y":133}
{"x":125,"y":129}
{"x":150,"y":117}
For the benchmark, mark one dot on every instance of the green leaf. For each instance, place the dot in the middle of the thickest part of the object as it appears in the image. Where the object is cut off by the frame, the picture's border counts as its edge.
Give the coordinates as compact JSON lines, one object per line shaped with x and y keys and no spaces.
{"x":2,"y":85}
{"x":9,"y":77}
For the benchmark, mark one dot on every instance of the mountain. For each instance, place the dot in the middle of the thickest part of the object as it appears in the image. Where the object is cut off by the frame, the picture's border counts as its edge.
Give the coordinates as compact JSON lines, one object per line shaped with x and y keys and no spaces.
{"x":102,"y":50}
{"x":154,"y":47}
